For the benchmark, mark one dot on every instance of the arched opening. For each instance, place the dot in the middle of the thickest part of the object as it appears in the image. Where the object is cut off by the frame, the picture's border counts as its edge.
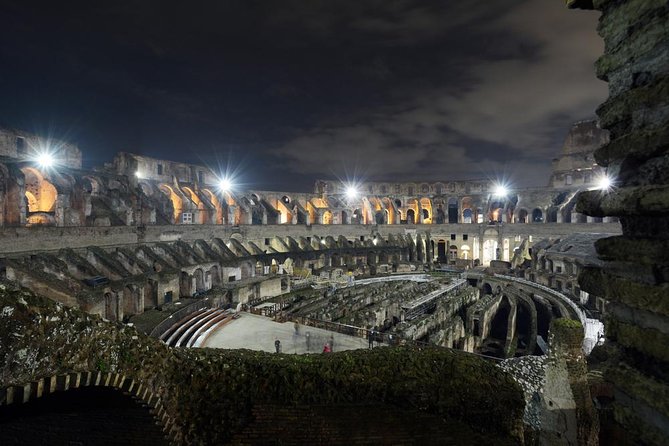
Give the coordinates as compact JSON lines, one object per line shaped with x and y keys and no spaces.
{"x":411,"y":216}
{"x":327,"y":218}
{"x":215,"y":275}
{"x":426,"y":206}
{"x":185,"y":285}
{"x":177,"y":203}
{"x":453,"y":211}
{"x":111,"y":312}
{"x":218,"y":209}
{"x":398,"y":203}
{"x":489,"y":251}
{"x":552,"y":215}
{"x":344,"y":218}
{"x":522,"y":216}
{"x":130,"y":303}
{"x":496,"y":214}
{"x":246,"y":270}
{"x":82,"y":416}
{"x":356,"y":219}
{"x":537,"y":216}
{"x":486,"y":288}
{"x":150,"y":294}
{"x":440,"y":215}
{"x":467,"y":216}
{"x":441,"y":251}
{"x":380,"y":218}
{"x":198,"y":274}
{"x":465,"y":252}
{"x":199,"y":205}
{"x":452,"y":253}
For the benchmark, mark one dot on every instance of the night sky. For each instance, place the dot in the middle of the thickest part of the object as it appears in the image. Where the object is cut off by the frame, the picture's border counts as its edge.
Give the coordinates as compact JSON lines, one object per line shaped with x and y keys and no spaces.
{"x":283,"y":92}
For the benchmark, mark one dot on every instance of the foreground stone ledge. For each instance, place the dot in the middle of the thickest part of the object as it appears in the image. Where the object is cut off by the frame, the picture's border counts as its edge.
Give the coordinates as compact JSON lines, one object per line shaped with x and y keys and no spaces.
{"x":624,"y":201}
{"x":647,"y":341}
{"x":633,"y":294}
{"x":619,"y":109}
{"x":639,"y":144}
{"x":633,"y":382}
{"x":640,"y":250}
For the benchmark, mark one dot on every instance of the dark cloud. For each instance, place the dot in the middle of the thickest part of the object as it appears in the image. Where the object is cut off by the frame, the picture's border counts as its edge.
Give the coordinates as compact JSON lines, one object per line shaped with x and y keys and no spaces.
{"x":394,"y":89}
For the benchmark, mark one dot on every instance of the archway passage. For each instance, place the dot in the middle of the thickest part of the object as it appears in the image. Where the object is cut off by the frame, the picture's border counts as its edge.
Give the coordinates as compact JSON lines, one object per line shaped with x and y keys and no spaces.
{"x":88,"y":415}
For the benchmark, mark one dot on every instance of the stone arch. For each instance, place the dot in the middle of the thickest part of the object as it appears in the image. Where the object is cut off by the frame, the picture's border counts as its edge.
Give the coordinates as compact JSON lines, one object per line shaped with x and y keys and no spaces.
{"x":215,"y":274}
{"x":247,"y":269}
{"x":411,"y":216}
{"x":150,"y":294}
{"x":177,"y":202}
{"x":467,"y":216}
{"x":218,"y":217}
{"x":453,"y":211}
{"x":185,"y":285}
{"x":198,"y":275}
{"x":522,"y":216}
{"x":452,"y":253}
{"x":426,"y":206}
{"x":40,"y":387}
{"x":441,"y":250}
{"x":90,"y":185}
{"x":537,"y":215}
{"x":130,"y":300}
{"x":486,"y":288}
{"x":111,"y":307}
{"x":199,"y":205}
{"x":327,"y":218}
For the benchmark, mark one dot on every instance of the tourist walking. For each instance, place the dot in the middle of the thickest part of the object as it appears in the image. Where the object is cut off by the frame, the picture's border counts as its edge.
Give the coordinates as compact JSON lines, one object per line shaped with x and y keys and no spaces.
{"x":326,"y":348}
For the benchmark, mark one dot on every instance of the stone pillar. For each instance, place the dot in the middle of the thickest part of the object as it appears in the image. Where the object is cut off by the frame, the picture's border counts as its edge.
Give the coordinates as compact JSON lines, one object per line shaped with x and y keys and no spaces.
{"x":567,"y":414}
{"x":634,"y":278}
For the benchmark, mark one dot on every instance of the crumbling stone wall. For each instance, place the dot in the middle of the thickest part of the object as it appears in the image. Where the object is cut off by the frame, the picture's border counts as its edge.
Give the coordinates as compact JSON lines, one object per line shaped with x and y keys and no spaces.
{"x":209,"y":395}
{"x":635,"y":278}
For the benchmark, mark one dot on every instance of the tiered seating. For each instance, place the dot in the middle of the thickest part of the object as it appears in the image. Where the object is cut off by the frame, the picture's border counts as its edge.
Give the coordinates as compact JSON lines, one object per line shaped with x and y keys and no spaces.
{"x":192,"y":330}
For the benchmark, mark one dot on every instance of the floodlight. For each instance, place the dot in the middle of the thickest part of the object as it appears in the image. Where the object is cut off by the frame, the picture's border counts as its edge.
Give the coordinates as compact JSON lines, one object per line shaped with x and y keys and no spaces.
{"x":224,"y":185}
{"x":351,"y":192}
{"x":500,"y":190}
{"x":604,"y":182}
{"x":139,"y":174}
{"x":45,"y":160}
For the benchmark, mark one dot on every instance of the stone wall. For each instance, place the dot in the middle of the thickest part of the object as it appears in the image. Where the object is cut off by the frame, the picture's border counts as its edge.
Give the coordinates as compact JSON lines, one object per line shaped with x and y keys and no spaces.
{"x":635,"y":278}
{"x":206,"y":396}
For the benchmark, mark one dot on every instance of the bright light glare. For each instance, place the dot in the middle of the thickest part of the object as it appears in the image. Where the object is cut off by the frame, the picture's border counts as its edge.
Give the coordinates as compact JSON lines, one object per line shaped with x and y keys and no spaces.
{"x":604,"y":183}
{"x":224,"y":185}
{"x":138,"y":174}
{"x":351,"y":192}
{"x":500,"y":190}
{"x":45,"y":160}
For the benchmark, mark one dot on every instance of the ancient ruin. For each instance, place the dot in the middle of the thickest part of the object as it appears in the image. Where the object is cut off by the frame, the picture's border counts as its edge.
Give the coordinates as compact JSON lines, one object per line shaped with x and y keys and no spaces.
{"x":480,"y":301}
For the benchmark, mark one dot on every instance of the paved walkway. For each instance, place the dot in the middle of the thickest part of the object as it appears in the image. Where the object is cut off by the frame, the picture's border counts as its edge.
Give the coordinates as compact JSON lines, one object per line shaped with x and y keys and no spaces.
{"x":259,"y":333}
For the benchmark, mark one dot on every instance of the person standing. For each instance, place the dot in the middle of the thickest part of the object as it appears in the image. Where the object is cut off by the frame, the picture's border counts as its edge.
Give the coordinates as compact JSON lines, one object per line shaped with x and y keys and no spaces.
{"x":326,"y":348}
{"x":370,"y":337}
{"x":307,"y":339}
{"x":277,"y":345}
{"x":331,"y":343}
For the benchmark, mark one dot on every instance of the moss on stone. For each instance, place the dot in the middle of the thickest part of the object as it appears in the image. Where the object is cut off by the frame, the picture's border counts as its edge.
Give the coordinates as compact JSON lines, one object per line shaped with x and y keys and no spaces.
{"x":210,"y":393}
